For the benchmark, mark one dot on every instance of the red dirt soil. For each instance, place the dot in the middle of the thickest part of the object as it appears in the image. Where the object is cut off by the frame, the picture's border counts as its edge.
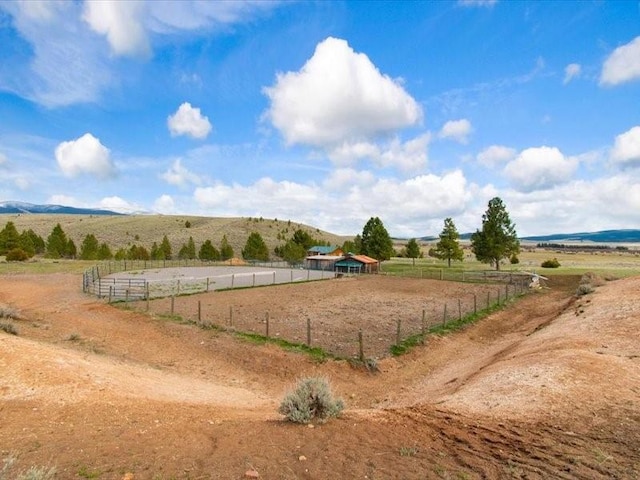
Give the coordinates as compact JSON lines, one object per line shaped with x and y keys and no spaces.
{"x":549,"y":387}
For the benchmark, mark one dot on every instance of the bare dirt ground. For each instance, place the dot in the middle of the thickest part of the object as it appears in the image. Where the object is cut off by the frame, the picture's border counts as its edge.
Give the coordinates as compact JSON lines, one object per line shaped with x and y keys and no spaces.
{"x":336,"y":311}
{"x":547,"y":388}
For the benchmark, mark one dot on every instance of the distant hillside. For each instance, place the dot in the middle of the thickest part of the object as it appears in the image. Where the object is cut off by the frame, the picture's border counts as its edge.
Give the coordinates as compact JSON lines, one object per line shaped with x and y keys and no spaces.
{"x":22,"y":207}
{"x":125,"y":230}
{"x":604,"y":236}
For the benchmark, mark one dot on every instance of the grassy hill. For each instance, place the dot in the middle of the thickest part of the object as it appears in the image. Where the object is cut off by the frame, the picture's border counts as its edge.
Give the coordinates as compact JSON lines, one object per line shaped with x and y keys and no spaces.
{"x":126,"y":230}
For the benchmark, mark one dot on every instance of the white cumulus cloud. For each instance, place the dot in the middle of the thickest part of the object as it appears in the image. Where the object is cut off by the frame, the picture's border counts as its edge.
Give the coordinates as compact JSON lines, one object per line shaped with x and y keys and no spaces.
{"x":189,"y":121}
{"x":85,"y":155}
{"x":338,"y":96}
{"x":120,"y":205}
{"x":495,"y":155}
{"x":180,"y":176}
{"x":457,"y":130}
{"x":571,"y":71}
{"x":164,"y":204}
{"x":477,"y":3}
{"x":409,"y":156}
{"x":623,"y":65}
{"x":121,"y":23}
{"x":540,"y":168}
{"x":626,"y":148}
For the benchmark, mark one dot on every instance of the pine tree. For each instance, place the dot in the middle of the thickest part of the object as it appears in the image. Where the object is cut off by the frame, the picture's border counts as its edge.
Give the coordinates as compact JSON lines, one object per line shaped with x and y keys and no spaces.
{"x":413,"y":249}
{"x":164,"y":251}
{"x":57,"y":243}
{"x":255,"y":248}
{"x":9,"y":238}
{"x":208,"y":252}
{"x":376,"y":242}
{"x":497,"y":239}
{"x":226,"y":252}
{"x":448,"y":247}
{"x":89,"y":247}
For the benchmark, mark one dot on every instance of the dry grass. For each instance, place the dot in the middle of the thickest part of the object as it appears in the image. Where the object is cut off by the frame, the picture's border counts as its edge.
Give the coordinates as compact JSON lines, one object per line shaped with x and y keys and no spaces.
{"x":126,"y":230}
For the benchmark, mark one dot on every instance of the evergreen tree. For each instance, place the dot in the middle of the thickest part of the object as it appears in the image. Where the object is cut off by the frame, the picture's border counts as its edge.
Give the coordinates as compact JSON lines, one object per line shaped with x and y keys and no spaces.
{"x":104,"y":252}
{"x":448,"y":247}
{"x":38,"y":242}
{"x":70,"y":251}
{"x":26,"y":244}
{"x":497,"y":239}
{"x":255,"y":248}
{"x":9,"y":238}
{"x":57,"y":243}
{"x":376,"y":242}
{"x":138,"y":252}
{"x":89,"y":247}
{"x":292,"y":252}
{"x":191,"y":249}
{"x":226,"y":252}
{"x":164,"y":251}
{"x":413,"y":249}
{"x":208,"y":252}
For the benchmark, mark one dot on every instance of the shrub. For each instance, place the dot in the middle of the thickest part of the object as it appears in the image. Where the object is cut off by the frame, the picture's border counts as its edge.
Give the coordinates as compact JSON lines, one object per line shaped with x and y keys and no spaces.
{"x":17,"y":255}
{"x":583,"y":289}
{"x":514,"y":260}
{"x":8,"y":312}
{"x":311,"y":399}
{"x":551,"y":263}
{"x":9,"y":328}
{"x":592,"y":279}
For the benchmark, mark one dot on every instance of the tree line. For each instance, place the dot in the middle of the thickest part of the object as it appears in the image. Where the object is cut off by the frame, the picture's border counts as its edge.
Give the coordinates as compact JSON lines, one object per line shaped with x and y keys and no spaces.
{"x":494,"y":242}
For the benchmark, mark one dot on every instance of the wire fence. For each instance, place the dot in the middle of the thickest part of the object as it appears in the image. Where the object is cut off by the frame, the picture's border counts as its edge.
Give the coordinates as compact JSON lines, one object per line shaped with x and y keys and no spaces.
{"x":350,"y":333}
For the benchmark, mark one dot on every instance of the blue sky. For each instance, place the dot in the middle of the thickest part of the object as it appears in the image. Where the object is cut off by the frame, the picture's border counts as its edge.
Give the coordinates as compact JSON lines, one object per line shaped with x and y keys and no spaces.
{"x":327,"y":112}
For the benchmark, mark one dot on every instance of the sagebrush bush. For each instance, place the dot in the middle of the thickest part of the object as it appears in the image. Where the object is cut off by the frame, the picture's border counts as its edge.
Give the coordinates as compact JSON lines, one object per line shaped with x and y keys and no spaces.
{"x":8,"y":312}
{"x":551,"y":263}
{"x":584,"y":289}
{"x":592,"y":279}
{"x":310,"y":400}
{"x":9,"y":328}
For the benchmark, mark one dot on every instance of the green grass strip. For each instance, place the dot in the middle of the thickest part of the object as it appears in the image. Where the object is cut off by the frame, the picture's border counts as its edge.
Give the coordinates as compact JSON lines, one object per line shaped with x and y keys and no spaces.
{"x":452,"y":326}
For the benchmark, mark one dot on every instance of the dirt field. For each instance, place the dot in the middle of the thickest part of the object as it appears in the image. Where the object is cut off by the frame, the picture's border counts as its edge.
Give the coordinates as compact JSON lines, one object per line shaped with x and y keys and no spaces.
{"x":547,"y":388}
{"x":336,"y":310}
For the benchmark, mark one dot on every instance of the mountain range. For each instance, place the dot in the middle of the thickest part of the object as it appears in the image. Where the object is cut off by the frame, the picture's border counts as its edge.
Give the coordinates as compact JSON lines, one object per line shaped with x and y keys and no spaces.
{"x":23,"y":207}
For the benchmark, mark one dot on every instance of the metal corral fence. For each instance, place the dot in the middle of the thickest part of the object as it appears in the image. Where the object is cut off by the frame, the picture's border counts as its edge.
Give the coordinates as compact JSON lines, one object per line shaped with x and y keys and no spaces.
{"x":135,"y":280}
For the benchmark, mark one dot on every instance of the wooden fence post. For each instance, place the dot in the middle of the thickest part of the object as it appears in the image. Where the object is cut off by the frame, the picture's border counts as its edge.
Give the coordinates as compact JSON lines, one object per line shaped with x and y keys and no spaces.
{"x":199,"y":311}
{"x":398,"y":328}
{"x":254,"y":280}
{"x":126,"y":298}
{"x":308,"y":332}
{"x":110,"y":289}
{"x":441,"y":274}
{"x":444,"y":316}
{"x":267,"y":326}
{"x":475,"y":304}
{"x":488,"y":300}
{"x":233,"y":277}
{"x":173,"y":299}
{"x":207,"y":284}
{"x":424,"y":325}
{"x":274,"y":278}
{"x":360,"y":344}
{"x":230,"y":316}
{"x":459,"y":310}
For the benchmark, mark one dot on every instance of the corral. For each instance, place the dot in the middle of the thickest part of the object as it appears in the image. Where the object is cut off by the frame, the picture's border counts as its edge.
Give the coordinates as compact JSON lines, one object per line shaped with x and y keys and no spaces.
{"x":331,"y":314}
